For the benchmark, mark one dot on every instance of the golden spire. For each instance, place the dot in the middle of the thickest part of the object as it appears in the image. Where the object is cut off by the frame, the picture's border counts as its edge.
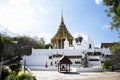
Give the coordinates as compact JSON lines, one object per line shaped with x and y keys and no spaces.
{"x":62,"y":19}
{"x":61,"y":35}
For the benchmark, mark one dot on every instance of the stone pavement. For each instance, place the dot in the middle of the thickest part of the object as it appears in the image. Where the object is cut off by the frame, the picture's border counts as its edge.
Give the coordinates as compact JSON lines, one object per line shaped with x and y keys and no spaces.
{"x":54,"y":75}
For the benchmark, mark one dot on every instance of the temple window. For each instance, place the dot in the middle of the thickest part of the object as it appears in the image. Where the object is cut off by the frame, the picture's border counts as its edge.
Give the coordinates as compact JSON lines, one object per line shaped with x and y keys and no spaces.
{"x":90,"y":46}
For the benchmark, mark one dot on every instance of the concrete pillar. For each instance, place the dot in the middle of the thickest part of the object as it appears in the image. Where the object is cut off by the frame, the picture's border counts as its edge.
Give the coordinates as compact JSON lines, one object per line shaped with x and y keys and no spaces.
{"x":61,"y":43}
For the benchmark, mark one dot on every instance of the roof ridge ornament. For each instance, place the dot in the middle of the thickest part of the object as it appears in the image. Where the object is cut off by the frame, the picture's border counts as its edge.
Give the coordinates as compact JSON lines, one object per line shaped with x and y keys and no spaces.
{"x":62,"y":19}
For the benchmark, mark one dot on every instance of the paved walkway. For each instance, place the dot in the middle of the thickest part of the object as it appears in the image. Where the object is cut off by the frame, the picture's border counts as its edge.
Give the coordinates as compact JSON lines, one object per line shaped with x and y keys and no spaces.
{"x":54,"y":75}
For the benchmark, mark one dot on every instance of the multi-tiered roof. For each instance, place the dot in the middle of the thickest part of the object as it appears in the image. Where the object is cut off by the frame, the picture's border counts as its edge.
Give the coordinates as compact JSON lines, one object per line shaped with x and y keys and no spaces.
{"x":61,"y":35}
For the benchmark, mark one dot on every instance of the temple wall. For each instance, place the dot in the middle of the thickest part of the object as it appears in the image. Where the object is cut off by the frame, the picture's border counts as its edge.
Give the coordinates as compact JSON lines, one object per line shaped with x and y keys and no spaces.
{"x":41,"y":56}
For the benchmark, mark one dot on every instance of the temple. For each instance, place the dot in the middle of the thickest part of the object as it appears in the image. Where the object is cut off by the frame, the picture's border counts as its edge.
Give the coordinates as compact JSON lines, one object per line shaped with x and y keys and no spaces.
{"x":79,"y":49}
{"x":61,"y":35}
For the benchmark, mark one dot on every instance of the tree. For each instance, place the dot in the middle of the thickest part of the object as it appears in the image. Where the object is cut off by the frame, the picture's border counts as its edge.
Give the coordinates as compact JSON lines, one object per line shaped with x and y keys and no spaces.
{"x":9,"y":50}
{"x":115,"y":49}
{"x":1,"y":45}
{"x":18,"y":46}
{"x":47,"y":46}
{"x":42,"y":41}
{"x":113,"y":10}
{"x":24,"y":45}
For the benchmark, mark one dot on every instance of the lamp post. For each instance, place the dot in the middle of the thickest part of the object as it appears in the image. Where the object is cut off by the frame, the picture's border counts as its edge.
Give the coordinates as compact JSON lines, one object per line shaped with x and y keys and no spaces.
{"x":24,"y":65}
{"x":1,"y":67}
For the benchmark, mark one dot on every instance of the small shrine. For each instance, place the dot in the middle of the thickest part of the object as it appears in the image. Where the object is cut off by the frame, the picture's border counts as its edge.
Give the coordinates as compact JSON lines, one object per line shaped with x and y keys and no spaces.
{"x":64,"y":64}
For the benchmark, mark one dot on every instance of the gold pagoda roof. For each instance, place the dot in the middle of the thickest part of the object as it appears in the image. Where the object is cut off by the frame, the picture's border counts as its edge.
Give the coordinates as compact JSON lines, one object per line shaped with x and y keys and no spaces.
{"x":62,"y":32}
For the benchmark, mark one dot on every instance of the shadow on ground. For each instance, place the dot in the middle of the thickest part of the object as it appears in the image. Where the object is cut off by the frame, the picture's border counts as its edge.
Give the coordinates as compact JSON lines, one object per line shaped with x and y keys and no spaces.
{"x":70,"y":72}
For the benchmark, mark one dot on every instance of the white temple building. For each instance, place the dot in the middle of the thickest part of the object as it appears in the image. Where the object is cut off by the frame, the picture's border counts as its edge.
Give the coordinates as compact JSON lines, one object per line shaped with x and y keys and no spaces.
{"x":74,"y":47}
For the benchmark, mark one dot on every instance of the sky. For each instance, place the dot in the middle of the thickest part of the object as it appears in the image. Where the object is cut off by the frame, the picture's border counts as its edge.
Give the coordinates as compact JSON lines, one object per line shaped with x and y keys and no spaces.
{"x":42,"y":18}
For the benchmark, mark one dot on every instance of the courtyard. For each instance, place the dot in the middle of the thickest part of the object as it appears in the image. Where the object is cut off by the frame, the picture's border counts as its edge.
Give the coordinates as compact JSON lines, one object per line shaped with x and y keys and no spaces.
{"x":54,"y":75}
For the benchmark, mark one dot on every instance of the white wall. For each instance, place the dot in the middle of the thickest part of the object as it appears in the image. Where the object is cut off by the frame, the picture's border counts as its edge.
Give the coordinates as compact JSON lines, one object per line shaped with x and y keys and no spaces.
{"x":41,"y":56}
{"x":95,"y":63}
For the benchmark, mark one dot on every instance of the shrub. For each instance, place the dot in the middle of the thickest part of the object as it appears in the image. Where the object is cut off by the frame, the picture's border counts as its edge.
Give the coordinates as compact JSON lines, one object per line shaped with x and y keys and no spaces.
{"x":11,"y":76}
{"x":116,"y":66}
{"x":5,"y":72}
{"x":15,"y":67}
{"x":108,"y":64}
{"x":24,"y":76}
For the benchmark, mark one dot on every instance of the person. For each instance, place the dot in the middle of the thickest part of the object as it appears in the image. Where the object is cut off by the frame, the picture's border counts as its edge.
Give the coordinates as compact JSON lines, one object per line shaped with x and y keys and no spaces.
{"x":46,"y":65}
{"x":63,"y":67}
{"x":51,"y":63}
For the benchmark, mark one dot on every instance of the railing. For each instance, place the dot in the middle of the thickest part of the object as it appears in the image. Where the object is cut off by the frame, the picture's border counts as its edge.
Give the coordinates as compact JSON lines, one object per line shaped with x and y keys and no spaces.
{"x":7,"y":61}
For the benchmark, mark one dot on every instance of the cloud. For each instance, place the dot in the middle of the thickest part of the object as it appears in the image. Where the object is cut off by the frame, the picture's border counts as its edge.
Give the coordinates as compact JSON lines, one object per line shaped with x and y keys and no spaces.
{"x":98,"y":2}
{"x":47,"y":37}
{"x":21,"y":15}
{"x":106,"y":26}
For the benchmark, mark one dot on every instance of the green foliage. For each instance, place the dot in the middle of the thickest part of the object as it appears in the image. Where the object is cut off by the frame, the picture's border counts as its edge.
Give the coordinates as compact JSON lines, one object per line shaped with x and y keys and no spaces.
{"x":11,"y":76}
{"x":14,"y":73}
{"x":113,"y":10}
{"x":42,"y":41}
{"x":47,"y":46}
{"x":116,"y":66}
{"x":115,"y":49}
{"x":116,"y":61}
{"x":5,"y":72}
{"x":7,"y":39}
{"x":23,"y":46}
{"x":20,"y":76}
{"x":15,"y":67}
{"x":24,"y":76}
{"x":1,"y":45}
{"x":116,"y":56}
{"x":9,"y":51}
{"x":108,"y":64}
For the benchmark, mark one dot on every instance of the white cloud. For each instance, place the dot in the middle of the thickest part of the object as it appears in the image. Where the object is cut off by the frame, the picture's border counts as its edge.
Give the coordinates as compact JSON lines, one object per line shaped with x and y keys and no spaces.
{"x":20,"y":16}
{"x":106,"y":26}
{"x":98,"y":2}
{"x":47,"y":37}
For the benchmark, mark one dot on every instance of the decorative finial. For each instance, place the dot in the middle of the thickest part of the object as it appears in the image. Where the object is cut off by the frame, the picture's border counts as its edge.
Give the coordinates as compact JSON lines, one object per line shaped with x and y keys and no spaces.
{"x":62,"y":20}
{"x":62,"y":9}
